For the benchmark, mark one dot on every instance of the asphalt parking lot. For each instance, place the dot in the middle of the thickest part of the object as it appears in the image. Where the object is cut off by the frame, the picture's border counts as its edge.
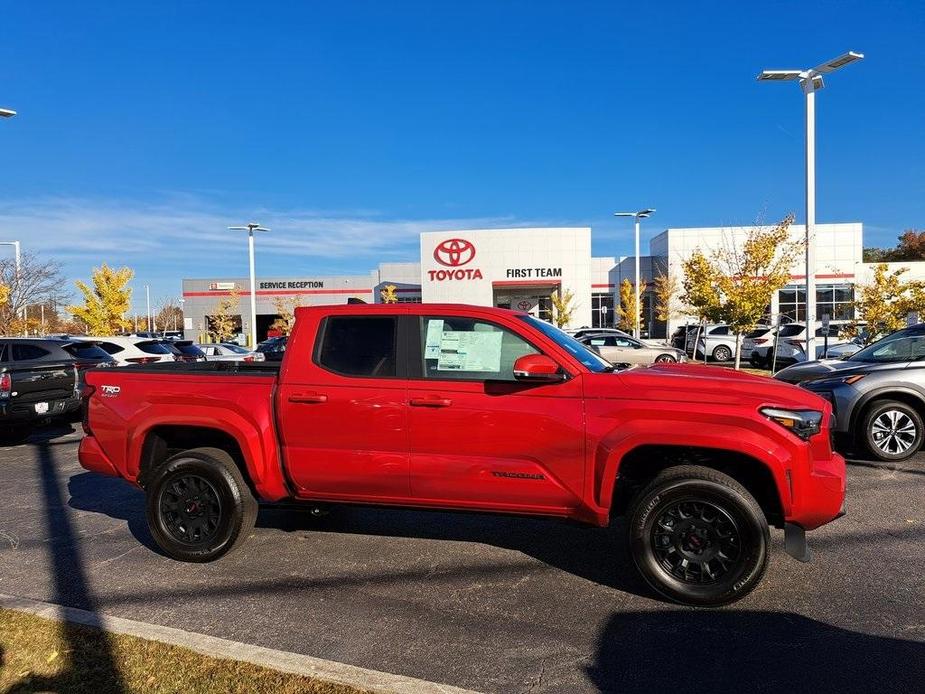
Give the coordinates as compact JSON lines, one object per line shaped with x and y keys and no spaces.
{"x":489,"y":603}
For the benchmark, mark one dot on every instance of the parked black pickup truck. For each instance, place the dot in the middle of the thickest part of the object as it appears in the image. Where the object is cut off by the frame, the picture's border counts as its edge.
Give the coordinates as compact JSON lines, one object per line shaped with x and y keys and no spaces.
{"x":39,"y":379}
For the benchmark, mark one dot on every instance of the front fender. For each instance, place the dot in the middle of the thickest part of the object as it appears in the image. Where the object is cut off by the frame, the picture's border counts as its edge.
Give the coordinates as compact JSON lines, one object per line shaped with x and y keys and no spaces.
{"x":769,"y":450}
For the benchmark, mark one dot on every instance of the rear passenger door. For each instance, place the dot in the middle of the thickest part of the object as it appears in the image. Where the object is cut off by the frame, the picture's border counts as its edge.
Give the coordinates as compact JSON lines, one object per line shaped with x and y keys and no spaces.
{"x":341,"y":410}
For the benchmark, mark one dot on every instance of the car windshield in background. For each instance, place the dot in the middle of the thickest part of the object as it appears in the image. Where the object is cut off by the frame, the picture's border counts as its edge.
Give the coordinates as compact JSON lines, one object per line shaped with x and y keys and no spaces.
{"x":573,"y":346}
{"x":190,"y":350}
{"x":901,"y":346}
{"x":237,"y":349}
{"x":154,"y":348}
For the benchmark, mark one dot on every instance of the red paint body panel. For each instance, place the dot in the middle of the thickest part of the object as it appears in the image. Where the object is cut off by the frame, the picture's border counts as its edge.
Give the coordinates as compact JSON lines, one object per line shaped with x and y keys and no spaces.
{"x":544,"y":448}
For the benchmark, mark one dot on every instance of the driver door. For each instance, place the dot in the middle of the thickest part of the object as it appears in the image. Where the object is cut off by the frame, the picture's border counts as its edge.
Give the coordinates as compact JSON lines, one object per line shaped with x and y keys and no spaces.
{"x":477,"y":434}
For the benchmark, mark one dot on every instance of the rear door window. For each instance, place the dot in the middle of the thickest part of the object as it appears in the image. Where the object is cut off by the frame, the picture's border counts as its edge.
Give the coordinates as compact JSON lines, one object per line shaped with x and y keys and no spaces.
{"x":361,"y":346}
{"x":721,"y":330}
{"x":791,"y":330}
{"x":28,"y":352}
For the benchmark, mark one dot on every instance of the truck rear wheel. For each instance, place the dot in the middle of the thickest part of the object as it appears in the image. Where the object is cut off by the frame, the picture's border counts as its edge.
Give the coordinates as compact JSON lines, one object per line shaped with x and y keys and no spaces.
{"x":698,"y":537}
{"x":198,"y":506}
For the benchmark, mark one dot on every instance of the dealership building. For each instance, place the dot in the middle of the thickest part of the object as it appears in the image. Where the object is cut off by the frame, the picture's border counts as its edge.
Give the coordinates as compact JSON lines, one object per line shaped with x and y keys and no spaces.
{"x":520,"y":268}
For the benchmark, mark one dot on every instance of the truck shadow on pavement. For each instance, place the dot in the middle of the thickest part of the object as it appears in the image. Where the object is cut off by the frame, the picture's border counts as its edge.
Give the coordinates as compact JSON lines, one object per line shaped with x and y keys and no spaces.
{"x":600,"y":555}
{"x":596,"y":554}
{"x":736,"y":651}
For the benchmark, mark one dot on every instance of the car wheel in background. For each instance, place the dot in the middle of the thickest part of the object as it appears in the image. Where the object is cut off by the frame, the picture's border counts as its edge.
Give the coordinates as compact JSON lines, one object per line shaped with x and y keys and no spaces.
{"x":198,"y":505}
{"x":665,"y":359}
{"x":892,"y":430}
{"x":698,"y":537}
{"x":722,"y":353}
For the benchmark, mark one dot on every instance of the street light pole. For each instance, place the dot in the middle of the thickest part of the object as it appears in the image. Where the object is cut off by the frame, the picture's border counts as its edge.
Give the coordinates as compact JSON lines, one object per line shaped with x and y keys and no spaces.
{"x":250,"y":228}
{"x":636,"y":216}
{"x":148,"y":328}
{"x":811,"y":81}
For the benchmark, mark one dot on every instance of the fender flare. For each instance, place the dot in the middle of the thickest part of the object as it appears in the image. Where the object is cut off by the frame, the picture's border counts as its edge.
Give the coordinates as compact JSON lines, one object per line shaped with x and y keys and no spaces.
{"x":257,"y":444}
{"x":763,"y":449}
{"x":885,"y":391}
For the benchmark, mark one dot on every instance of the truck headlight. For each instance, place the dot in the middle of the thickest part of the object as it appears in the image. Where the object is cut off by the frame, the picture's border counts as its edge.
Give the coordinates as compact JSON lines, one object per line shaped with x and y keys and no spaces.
{"x":803,"y":423}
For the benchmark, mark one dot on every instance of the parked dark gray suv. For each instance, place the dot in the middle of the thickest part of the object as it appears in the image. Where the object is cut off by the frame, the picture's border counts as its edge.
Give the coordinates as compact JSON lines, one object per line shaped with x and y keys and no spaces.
{"x":878,"y":394}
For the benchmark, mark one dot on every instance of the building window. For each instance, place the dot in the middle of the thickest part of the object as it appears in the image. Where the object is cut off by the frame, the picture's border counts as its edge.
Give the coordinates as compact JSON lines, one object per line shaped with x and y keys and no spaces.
{"x":602,"y":310}
{"x":544,"y":308}
{"x":409,"y":299}
{"x":837,"y":300}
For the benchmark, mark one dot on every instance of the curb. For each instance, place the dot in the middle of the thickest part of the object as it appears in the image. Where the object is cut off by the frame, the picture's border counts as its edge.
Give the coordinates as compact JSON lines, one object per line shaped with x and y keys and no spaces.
{"x":283,"y":661}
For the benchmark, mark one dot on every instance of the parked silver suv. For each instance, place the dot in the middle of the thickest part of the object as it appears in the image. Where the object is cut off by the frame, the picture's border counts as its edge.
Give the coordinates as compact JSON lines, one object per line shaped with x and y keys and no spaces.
{"x":878,"y":394}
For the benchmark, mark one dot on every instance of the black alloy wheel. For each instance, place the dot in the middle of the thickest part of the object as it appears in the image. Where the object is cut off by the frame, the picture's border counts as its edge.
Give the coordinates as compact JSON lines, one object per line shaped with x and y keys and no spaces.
{"x":198,"y":505}
{"x":190,"y":508}
{"x":698,"y":537}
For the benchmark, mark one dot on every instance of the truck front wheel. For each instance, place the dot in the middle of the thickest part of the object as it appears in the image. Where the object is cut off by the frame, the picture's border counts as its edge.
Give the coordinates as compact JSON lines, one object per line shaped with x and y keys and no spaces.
{"x":198,"y":506}
{"x":698,"y":537}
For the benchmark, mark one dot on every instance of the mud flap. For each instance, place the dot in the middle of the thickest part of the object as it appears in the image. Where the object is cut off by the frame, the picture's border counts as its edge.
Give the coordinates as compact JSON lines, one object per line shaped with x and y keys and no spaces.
{"x":795,"y":542}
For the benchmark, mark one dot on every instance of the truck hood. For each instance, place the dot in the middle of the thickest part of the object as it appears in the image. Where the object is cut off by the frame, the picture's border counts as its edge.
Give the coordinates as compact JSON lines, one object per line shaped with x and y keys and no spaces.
{"x":700,"y":384}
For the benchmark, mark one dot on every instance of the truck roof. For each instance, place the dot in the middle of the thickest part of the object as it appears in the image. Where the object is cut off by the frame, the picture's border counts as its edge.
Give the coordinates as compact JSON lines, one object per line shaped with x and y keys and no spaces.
{"x":414,"y":308}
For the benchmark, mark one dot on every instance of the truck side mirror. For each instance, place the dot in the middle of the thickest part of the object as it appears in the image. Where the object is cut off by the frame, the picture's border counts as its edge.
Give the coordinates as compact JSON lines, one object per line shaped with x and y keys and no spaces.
{"x":537,"y":368}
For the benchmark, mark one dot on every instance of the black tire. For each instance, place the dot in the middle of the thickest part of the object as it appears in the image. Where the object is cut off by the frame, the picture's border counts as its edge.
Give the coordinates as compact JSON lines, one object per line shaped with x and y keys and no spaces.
{"x":715,"y":554}
{"x":14,"y":434}
{"x":665,"y":359}
{"x":892,"y":430}
{"x":198,"y":506}
{"x":722,"y":353}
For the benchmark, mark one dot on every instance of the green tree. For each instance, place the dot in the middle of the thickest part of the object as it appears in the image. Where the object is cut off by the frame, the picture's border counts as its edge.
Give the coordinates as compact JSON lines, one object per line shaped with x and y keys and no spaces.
{"x":627,"y":310}
{"x":106,"y":302}
{"x":562,"y":307}
{"x":882,"y":305}
{"x":736,"y":282}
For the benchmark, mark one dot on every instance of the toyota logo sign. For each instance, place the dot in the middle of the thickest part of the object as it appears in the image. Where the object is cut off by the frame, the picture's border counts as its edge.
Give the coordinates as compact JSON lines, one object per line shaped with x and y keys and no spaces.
{"x":454,"y":252}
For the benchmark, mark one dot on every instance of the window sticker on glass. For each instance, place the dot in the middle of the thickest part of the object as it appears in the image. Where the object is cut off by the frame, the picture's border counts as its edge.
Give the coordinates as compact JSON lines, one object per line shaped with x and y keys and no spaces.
{"x":469,"y":351}
{"x":434,"y":337}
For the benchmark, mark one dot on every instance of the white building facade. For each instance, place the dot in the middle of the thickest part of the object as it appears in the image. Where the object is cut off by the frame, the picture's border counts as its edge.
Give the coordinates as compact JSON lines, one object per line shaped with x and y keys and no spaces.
{"x":520,"y":268}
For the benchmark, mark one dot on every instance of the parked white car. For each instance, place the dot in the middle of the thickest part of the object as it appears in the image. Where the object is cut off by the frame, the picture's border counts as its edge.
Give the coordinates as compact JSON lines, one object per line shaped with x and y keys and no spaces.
{"x":718,"y":342}
{"x":584,"y":332}
{"x":791,"y":342}
{"x":134,"y":350}
{"x":757,"y":344}
{"x":228,"y":351}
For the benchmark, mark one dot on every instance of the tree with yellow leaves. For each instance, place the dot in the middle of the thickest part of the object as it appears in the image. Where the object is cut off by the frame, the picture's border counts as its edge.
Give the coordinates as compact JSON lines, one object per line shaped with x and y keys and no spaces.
{"x":4,"y":294}
{"x":628,"y":309}
{"x":286,"y":310}
{"x":882,"y":305}
{"x":667,"y":292}
{"x":736,"y":282}
{"x":562,"y":307}
{"x":387,"y":294}
{"x":106,"y":302}
{"x":226,"y":318}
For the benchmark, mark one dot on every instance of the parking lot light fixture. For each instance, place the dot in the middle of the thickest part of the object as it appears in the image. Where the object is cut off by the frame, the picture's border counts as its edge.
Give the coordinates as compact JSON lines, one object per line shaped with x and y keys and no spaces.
{"x":641,"y":214}
{"x":7,"y":113}
{"x":810,"y":82}
{"x":250,"y":228}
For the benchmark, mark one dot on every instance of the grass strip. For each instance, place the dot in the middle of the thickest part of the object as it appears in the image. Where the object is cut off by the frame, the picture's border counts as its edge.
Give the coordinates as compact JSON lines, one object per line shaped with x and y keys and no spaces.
{"x":38,"y":655}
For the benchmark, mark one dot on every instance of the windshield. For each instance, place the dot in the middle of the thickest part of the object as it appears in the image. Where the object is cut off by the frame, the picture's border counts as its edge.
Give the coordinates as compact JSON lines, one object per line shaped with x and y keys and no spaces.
{"x":900,"y":346}
{"x":574,"y":347}
{"x":237,"y":349}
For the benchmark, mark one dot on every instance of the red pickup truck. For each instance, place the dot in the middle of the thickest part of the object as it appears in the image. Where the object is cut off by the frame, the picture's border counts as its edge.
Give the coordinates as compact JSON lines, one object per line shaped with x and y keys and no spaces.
{"x":465,"y":407}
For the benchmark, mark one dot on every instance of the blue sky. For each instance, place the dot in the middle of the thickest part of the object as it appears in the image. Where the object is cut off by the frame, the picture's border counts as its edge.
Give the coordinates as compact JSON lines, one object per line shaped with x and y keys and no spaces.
{"x":146,"y":128}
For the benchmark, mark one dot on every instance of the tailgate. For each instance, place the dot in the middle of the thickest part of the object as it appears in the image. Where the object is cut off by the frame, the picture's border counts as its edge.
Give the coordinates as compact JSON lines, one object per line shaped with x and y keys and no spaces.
{"x":42,"y":382}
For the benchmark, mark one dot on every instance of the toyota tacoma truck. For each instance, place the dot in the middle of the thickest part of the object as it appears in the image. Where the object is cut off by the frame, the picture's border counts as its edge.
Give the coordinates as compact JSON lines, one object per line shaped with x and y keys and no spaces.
{"x":481,"y":409}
